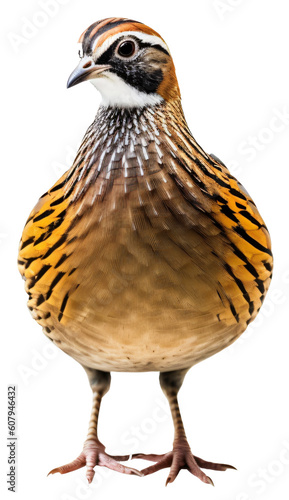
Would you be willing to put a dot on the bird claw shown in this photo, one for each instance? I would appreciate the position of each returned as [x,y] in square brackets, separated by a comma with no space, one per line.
[94,454]
[179,458]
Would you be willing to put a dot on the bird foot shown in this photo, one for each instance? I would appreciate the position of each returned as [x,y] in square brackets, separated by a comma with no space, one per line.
[179,458]
[93,454]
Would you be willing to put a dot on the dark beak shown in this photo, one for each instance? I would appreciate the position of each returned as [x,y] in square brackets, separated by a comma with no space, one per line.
[85,70]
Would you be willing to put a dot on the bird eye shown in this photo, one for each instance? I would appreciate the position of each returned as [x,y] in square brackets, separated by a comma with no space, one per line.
[126,49]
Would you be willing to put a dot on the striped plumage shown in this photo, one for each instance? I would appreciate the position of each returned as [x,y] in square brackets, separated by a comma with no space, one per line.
[147,254]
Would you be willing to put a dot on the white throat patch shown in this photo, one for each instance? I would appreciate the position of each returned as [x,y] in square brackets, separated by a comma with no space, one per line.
[115,92]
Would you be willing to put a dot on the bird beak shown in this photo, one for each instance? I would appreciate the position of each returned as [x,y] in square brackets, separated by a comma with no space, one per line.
[85,70]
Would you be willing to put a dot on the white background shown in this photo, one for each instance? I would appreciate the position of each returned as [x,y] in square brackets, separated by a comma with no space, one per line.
[231,58]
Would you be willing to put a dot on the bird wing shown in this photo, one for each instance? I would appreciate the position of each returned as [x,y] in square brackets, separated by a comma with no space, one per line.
[42,230]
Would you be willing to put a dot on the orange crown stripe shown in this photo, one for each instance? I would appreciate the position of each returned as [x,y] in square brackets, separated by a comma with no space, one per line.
[142,28]
[99,24]
[129,26]
[103,23]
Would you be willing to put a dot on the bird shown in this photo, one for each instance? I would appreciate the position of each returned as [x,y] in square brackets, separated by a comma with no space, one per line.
[147,254]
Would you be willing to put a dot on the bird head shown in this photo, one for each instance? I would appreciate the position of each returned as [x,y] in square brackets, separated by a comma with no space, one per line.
[128,62]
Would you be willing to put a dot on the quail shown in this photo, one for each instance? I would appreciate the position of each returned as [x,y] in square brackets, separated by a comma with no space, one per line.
[147,254]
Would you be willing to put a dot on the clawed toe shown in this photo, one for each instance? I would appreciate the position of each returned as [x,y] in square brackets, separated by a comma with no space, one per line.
[94,454]
[180,458]
[71,466]
[108,461]
[213,466]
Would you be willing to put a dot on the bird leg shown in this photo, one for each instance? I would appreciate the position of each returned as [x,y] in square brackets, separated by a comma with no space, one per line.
[181,456]
[93,452]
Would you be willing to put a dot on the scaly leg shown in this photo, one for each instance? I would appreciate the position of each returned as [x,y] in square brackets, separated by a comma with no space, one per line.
[181,456]
[93,452]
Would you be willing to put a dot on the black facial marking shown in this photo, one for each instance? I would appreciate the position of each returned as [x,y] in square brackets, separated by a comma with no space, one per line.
[135,72]
[106,57]
[143,45]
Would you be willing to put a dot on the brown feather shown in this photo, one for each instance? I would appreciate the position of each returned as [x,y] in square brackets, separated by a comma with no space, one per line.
[141,256]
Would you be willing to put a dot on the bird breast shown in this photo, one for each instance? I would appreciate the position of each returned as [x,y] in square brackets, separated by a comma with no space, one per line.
[129,264]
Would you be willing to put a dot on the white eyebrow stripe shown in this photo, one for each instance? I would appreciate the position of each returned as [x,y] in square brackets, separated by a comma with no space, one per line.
[143,37]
